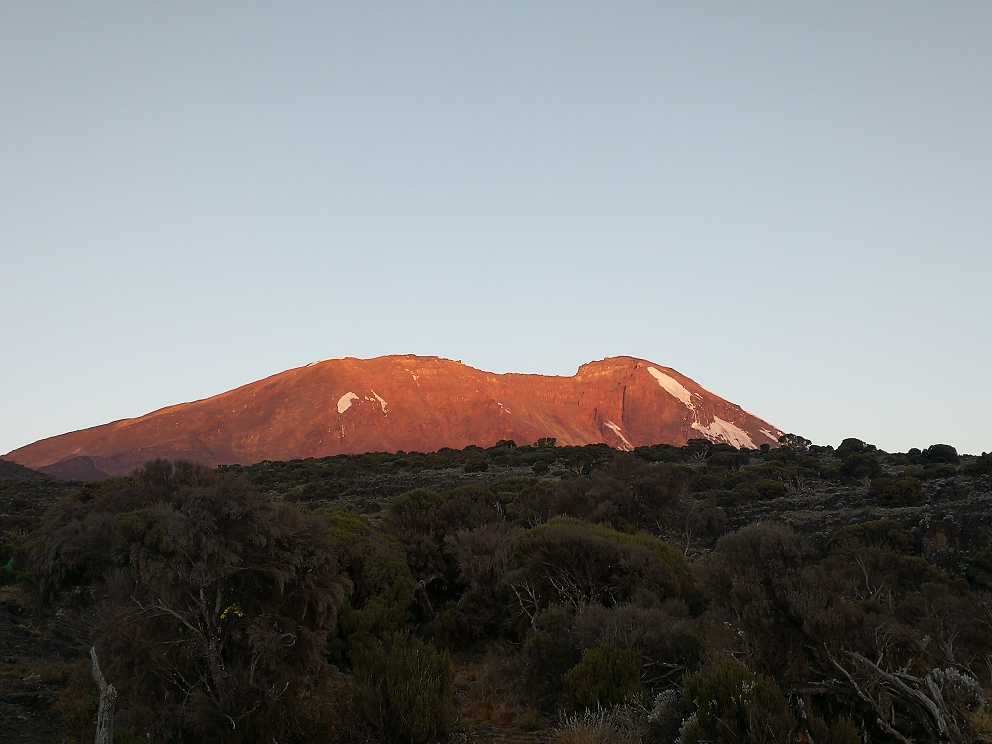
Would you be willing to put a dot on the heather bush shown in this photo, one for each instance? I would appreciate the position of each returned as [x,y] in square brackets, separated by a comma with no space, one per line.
[666,638]
[573,563]
[755,581]
[608,594]
[734,704]
[549,651]
[852,446]
[981,465]
[382,585]
[839,731]
[606,675]
[766,488]
[941,453]
[896,491]
[860,465]
[215,605]
[403,686]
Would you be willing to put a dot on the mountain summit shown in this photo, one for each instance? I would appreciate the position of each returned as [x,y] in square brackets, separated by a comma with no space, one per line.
[412,403]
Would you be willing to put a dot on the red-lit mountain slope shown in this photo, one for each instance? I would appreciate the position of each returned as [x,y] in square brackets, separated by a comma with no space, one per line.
[410,403]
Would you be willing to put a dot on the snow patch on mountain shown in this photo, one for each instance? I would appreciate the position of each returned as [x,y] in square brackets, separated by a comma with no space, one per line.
[619,432]
[718,429]
[673,387]
[382,403]
[345,401]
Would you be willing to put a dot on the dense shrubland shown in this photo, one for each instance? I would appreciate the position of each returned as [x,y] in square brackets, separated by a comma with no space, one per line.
[695,594]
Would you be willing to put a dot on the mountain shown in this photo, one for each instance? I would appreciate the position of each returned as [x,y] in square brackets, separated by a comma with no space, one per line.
[11,471]
[411,403]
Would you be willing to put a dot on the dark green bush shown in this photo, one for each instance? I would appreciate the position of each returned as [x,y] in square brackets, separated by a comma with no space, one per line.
[755,577]
[884,534]
[734,704]
[660,453]
[213,602]
[864,465]
[770,489]
[382,585]
[936,470]
[729,460]
[625,494]
[570,562]
[839,731]
[703,480]
[666,637]
[606,675]
[852,446]
[896,491]
[549,651]
[725,498]
[404,688]
[425,519]
[630,595]
[980,465]
[940,453]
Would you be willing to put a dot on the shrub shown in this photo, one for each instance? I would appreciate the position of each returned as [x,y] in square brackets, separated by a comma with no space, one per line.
[9,573]
[863,465]
[482,553]
[794,442]
[980,465]
[382,585]
[729,460]
[412,513]
[940,453]
[480,609]
[882,534]
[606,675]
[705,481]
[570,562]
[756,576]
[665,637]
[897,491]
[404,688]
[625,494]
[549,652]
[840,731]
[424,519]
[936,470]
[622,724]
[214,604]
[734,704]
[770,489]
[852,446]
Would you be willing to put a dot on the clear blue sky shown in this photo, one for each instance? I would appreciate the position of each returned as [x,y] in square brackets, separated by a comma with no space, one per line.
[789,202]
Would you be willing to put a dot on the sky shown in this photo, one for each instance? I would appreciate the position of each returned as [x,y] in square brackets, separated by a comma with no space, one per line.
[789,202]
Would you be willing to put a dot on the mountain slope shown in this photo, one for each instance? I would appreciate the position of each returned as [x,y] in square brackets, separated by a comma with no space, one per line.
[411,403]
